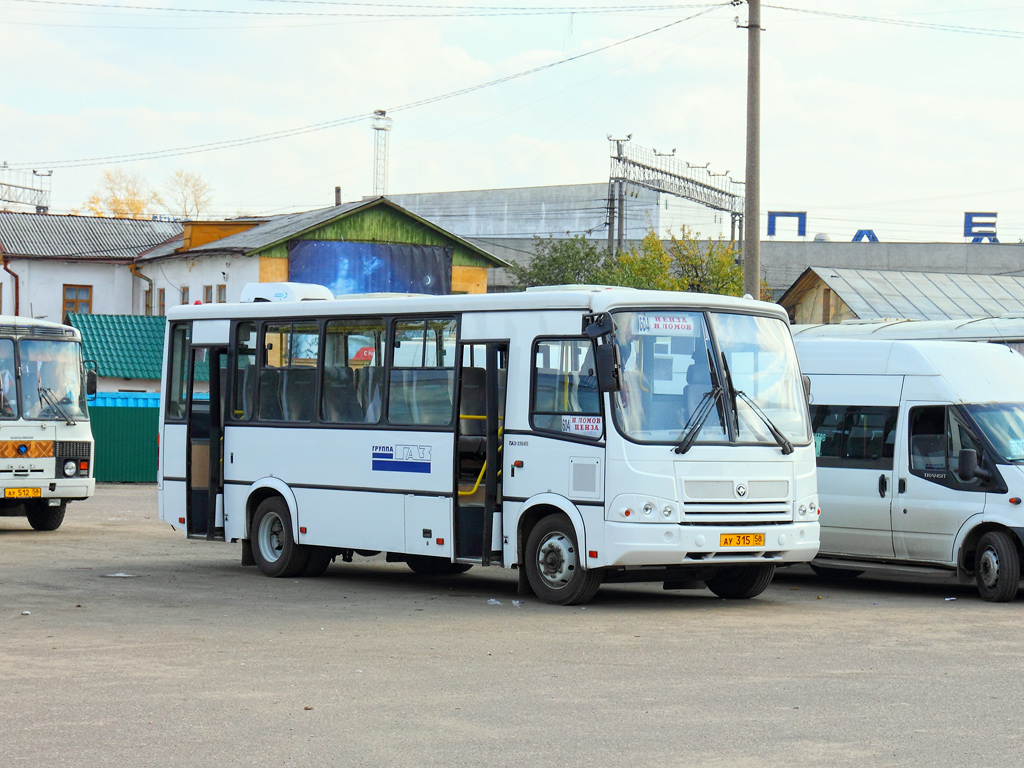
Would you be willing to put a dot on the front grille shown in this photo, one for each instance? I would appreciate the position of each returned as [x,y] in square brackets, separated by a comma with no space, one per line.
[73,450]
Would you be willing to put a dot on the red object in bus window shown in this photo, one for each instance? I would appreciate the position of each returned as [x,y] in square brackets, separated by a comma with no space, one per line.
[363,355]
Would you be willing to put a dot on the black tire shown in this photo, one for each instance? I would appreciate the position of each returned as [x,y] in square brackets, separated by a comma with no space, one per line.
[553,565]
[273,547]
[997,567]
[835,573]
[317,560]
[435,566]
[741,582]
[45,518]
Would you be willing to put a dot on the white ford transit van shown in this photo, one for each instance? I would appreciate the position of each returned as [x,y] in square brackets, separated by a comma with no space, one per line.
[920,453]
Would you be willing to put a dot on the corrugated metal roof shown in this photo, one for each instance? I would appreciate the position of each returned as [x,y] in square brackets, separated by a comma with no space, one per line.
[123,346]
[875,294]
[80,237]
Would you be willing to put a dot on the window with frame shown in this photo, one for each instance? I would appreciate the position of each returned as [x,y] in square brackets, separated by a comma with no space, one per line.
[245,370]
[222,294]
[287,380]
[565,397]
[423,371]
[177,373]
[77,298]
[207,294]
[937,435]
[184,295]
[854,436]
[353,379]
[162,302]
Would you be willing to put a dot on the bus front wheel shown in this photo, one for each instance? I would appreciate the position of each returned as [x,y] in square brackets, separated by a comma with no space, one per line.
[43,517]
[553,565]
[274,549]
[741,582]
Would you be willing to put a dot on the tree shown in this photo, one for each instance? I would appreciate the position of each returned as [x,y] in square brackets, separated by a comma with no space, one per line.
[560,262]
[124,195]
[647,265]
[187,195]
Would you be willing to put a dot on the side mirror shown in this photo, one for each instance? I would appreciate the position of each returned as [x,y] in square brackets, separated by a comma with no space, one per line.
[90,382]
[806,381]
[967,466]
[606,357]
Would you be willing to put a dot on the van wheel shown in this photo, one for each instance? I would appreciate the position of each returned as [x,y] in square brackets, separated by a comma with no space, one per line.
[553,564]
[741,582]
[274,549]
[45,518]
[426,565]
[997,567]
[835,573]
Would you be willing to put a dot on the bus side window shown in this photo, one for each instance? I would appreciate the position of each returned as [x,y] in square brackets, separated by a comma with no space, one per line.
[564,383]
[353,371]
[177,379]
[423,372]
[245,370]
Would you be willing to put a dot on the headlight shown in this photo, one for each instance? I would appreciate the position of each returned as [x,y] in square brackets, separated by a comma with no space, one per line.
[70,468]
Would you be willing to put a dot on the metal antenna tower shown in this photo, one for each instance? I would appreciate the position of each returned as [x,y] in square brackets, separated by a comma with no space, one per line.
[381,127]
[664,172]
[25,188]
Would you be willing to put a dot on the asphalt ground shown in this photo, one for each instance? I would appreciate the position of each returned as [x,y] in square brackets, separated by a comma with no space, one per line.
[191,660]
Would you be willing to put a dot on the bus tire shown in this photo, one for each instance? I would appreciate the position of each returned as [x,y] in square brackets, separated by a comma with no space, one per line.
[741,582]
[553,565]
[275,550]
[426,565]
[45,518]
[317,560]
[835,573]
[997,567]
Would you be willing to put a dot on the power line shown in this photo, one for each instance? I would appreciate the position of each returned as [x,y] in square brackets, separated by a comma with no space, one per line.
[906,23]
[286,133]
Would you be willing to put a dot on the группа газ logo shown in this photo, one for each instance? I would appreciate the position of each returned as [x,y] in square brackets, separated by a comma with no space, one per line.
[401,458]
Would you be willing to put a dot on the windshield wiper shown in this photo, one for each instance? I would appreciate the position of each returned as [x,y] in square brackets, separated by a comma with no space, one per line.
[45,393]
[781,439]
[700,414]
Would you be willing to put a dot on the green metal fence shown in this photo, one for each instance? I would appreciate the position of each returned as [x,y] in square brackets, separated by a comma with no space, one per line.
[125,427]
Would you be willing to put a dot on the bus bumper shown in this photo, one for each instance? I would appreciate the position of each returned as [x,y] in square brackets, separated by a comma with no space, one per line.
[673,544]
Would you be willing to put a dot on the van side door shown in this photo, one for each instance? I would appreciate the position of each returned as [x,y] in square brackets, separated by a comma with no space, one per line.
[933,502]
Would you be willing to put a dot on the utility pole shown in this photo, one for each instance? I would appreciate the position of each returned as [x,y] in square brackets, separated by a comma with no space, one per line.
[752,202]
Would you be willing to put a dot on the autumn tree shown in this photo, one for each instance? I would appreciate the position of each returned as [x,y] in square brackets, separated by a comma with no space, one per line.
[123,194]
[187,194]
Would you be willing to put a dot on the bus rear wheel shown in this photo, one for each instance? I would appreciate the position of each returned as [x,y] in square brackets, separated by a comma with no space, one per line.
[553,565]
[274,549]
[741,582]
[45,518]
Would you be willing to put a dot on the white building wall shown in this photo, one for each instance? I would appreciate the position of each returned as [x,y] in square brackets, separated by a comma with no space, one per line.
[42,287]
[194,273]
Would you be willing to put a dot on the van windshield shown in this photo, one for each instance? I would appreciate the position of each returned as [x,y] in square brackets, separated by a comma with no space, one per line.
[1003,425]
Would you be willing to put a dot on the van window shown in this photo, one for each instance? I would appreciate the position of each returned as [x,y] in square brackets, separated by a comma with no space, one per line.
[854,436]
[937,435]
[565,395]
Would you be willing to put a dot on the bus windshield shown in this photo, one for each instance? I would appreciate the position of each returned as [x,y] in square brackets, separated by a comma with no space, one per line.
[51,380]
[673,382]
[1003,425]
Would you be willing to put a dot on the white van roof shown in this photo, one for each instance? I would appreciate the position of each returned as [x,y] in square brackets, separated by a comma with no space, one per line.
[974,372]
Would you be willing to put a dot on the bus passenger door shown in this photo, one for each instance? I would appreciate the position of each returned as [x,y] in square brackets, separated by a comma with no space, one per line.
[482,384]
[204,508]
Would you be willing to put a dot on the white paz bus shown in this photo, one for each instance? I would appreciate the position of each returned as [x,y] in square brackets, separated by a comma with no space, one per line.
[45,438]
[580,435]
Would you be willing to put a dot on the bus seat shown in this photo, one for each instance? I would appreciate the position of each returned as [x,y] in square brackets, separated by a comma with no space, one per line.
[339,396]
[299,393]
[369,386]
[432,395]
[698,384]
[270,394]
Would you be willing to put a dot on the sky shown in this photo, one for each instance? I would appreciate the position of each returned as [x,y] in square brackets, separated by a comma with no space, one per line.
[895,116]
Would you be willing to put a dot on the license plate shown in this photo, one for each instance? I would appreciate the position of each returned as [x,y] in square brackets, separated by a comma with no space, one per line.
[741,540]
[22,493]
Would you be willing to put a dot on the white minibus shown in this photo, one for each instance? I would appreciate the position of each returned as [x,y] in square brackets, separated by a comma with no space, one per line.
[920,450]
[580,435]
[46,442]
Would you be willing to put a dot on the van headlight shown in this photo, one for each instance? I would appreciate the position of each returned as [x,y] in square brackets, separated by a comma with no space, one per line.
[70,468]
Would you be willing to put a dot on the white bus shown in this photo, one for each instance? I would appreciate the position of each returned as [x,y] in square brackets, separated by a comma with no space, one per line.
[46,443]
[578,435]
